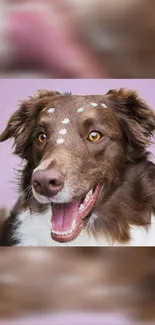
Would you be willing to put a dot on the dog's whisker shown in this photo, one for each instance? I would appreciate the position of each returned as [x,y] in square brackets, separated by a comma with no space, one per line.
[26,192]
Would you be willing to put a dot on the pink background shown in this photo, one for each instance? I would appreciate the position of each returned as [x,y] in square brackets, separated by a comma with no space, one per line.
[13,90]
[76,319]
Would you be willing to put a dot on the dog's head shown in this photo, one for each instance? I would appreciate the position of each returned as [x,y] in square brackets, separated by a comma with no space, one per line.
[77,148]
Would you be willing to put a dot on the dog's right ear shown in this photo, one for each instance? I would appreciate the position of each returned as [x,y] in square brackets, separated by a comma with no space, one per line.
[136,118]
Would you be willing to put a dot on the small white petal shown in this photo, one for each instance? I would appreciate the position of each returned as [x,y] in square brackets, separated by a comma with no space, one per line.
[94,104]
[104,105]
[80,110]
[63,131]
[51,110]
[65,121]
[60,141]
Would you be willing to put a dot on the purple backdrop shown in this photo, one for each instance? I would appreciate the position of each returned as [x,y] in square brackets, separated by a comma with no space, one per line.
[13,90]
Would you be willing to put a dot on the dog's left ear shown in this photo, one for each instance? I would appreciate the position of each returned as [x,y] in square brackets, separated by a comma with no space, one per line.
[21,123]
[137,120]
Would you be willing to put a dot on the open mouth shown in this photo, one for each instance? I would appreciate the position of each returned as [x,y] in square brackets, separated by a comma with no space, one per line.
[68,218]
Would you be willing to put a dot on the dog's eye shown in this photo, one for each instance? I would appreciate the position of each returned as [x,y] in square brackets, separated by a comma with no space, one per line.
[42,138]
[94,136]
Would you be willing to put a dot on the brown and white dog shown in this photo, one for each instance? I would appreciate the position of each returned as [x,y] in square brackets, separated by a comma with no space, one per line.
[87,179]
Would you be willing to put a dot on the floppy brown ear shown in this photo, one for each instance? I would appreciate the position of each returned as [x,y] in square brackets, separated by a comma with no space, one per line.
[22,121]
[12,126]
[26,109]
[136,118]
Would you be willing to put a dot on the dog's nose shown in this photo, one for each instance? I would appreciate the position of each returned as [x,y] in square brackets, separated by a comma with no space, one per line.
[47,182]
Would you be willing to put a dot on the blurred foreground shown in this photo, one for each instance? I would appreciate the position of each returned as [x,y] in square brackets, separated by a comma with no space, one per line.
[77,38]
[36,281]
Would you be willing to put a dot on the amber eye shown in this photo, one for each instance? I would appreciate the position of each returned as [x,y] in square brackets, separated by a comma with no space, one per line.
[42,138]
[94,136]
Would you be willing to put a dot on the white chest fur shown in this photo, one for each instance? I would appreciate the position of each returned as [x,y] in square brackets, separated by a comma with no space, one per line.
[35,230]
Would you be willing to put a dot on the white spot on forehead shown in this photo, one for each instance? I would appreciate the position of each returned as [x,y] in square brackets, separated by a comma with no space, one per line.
[104,105]
[65,121]
[94,104]
[51,110]
[63,131]
[60,141]
[80,110]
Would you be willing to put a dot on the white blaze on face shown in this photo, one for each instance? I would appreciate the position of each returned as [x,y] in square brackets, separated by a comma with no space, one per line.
[43,165]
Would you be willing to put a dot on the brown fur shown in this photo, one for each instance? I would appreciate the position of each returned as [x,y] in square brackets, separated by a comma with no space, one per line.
[119,161]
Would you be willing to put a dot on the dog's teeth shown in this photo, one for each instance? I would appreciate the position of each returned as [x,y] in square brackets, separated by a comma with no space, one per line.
[87,197]
[73,225]
[68,232]
[90,192]
[81,207]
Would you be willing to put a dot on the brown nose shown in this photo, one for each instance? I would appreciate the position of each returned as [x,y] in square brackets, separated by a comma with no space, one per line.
[47,182]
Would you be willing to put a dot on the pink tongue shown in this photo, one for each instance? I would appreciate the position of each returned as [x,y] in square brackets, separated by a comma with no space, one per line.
[63,215]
